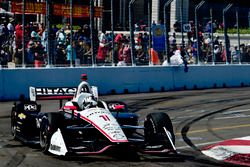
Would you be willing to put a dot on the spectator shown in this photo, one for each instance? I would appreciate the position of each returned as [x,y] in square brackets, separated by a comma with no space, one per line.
[39,54]
[60,54]
[30,52]
[235,55]
[54,31]
[126,55]
[88,54]
[172,40]
[17,55]
[61,37]
[141,57]
[71,53]
[176,59]
[2,34]
[86,31]
[177,26]
[102,51]
[10,27]
[4,56]
[103,36]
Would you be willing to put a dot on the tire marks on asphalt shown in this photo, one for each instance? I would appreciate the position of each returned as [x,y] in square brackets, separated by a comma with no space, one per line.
[185,129]
[16,160]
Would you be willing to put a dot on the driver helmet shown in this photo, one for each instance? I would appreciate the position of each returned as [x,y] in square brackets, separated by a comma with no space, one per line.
[84,77]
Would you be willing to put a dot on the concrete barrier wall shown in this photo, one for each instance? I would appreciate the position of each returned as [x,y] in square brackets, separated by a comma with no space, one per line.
[112,80]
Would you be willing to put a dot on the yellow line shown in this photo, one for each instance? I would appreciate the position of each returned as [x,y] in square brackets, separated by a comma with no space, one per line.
[216,129]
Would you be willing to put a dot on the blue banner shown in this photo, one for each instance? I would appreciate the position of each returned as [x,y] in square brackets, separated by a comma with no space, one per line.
[158,38]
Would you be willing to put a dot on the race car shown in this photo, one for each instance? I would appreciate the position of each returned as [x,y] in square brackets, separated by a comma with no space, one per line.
[87,125]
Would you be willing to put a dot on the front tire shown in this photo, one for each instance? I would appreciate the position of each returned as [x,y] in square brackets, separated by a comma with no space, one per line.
[50,123]
[154,129]
[13,123]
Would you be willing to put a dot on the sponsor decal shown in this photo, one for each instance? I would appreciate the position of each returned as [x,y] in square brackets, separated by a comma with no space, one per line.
[55,91]
[105,117]
[78,148]
[30,107]
[55,147]
[21,116]
[118,136]
[70,91]
[104,121]
[154,147]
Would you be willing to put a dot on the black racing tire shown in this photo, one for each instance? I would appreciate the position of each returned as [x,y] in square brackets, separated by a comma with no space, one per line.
[49,124]
[13,123]
[154,129]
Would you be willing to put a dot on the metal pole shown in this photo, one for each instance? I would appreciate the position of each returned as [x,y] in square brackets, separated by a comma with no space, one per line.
[248,18]
[112,29]
[23,33]
[124,15]
[197,31]
[149,29]
[120,12]
[238,32]
[48,30]
[71,34]
[225,30]
[92,31]
[181,14]
[131,25]
[166,5]
[212,35]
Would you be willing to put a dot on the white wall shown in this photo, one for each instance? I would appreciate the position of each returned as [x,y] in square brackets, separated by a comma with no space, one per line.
[13,82]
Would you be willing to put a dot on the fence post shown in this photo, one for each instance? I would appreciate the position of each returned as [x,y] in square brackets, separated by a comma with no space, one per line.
[197,31]
[182,35]
[212,35]
[112,29]
[92,31]
[149,29]
[238,32]
[23,33]
[48,27]
[225,30]
[166,5]
[131,27]
[71,34]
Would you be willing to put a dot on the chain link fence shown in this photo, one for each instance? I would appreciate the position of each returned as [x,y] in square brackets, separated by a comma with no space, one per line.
[207,33]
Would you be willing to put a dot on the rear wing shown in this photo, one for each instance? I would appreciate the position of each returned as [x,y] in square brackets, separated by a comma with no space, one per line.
[51,93]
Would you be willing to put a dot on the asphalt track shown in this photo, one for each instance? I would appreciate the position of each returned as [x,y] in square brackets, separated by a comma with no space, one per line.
[200,118]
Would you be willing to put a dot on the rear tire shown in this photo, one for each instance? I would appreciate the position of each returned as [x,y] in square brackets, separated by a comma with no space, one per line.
[13,123]
[50,123]
[154,129]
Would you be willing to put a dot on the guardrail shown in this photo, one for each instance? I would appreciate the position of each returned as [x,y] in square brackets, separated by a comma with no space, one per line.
[118,80]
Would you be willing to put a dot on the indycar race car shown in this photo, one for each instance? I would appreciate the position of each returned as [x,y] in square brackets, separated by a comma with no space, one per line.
[87,125]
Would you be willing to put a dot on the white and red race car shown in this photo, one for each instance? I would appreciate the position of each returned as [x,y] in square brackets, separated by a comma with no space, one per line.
[87,125]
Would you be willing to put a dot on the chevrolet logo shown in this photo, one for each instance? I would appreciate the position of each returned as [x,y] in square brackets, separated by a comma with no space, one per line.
[21,116]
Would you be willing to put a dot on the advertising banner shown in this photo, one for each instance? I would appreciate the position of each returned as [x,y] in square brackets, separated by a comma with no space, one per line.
[58,9]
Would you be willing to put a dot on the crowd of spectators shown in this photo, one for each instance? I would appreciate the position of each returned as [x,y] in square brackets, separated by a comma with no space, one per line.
[78,51]
[210,50]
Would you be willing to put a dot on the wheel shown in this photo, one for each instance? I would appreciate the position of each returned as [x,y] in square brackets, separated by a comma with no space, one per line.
[13,123]
[50,123]
[154,129]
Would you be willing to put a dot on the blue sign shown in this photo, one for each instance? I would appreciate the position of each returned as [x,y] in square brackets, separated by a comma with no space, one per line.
[158,38]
